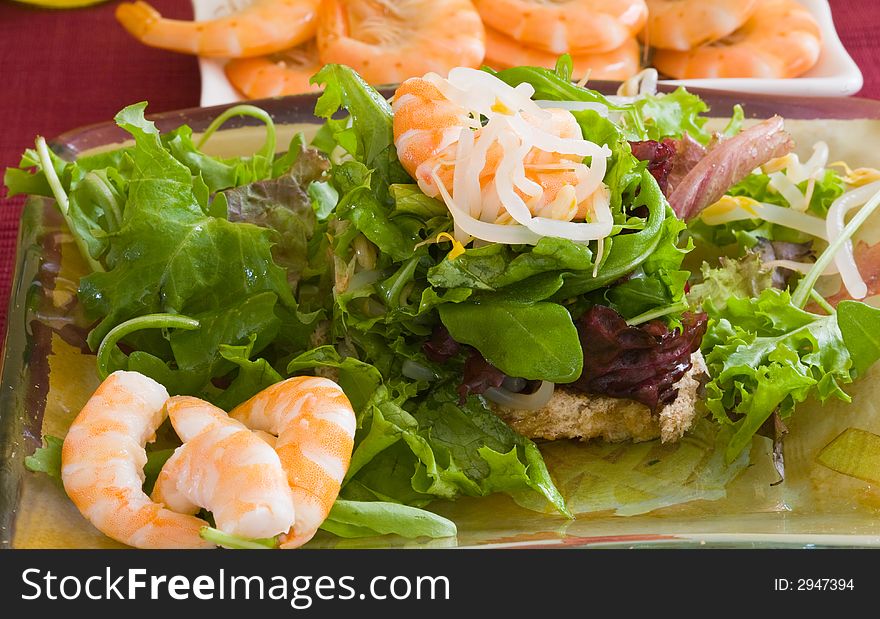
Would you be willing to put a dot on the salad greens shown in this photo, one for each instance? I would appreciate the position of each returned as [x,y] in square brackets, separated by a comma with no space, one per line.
[221,276]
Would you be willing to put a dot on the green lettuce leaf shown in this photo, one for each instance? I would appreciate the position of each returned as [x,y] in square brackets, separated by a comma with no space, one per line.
[367,132]
[46,459]
[186,261]
[765,355]
[744,278]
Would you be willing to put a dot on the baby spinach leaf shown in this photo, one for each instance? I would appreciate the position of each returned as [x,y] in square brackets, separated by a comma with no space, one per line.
[534,341]
[367,518]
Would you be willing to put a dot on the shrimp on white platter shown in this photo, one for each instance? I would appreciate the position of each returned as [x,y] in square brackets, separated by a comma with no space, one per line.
[515,179]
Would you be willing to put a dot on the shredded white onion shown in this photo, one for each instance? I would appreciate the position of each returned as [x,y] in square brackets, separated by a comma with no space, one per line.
[810,224]
[467,226]
[785,186]
[510,206]
[642,83]
[845,259]
[800,267]
[574,106]
[529,402]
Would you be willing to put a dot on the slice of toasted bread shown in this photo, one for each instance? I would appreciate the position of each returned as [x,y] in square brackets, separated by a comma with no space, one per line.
[573,414]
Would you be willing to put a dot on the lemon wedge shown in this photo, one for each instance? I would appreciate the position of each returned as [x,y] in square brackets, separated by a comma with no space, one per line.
[61,4]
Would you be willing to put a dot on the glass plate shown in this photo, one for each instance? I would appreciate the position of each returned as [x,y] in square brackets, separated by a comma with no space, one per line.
[46,378]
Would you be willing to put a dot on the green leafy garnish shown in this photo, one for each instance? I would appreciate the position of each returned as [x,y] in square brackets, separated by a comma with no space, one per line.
[233,542]
[766,355]
[369,518]
[46,459]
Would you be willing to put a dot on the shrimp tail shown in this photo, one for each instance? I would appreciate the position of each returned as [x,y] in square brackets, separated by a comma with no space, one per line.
[137,17]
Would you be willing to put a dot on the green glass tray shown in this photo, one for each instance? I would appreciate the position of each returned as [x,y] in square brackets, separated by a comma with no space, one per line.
[47,375]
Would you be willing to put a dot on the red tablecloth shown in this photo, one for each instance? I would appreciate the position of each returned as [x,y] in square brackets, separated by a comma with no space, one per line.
[63,69]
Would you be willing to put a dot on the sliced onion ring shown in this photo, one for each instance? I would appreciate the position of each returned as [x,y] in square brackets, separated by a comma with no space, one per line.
[528,402]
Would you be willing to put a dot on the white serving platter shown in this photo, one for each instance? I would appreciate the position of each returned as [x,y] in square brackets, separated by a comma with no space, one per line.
[835,75]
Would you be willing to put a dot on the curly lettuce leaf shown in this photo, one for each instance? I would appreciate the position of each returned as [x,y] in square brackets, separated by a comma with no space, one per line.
[671,115]
[765,355]
[744,278]
[367,132]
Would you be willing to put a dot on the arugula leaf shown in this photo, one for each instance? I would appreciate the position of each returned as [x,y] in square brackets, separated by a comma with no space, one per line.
[550,85]
[535,341]
[234,542]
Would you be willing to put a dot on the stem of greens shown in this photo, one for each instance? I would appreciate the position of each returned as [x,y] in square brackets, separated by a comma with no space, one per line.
[821,302]
[268,149]
[150,321]
[62,200]
[802,293]
[100,185]
[679,306]
[237,543]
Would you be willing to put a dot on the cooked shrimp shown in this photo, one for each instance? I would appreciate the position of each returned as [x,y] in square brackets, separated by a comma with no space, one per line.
[686,24]
[566,26]
[264,27]
[387,41]
[525,164]
[315,426]
[102,466]
[780,40]
[502,52]
[285,73]
[225,468]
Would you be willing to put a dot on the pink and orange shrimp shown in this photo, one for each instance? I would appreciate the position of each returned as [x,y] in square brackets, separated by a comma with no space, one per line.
[566,26]
[387,41]
[225,468]
[264,27]
[315,426]
[427,129]
[102,464]
[780,40]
